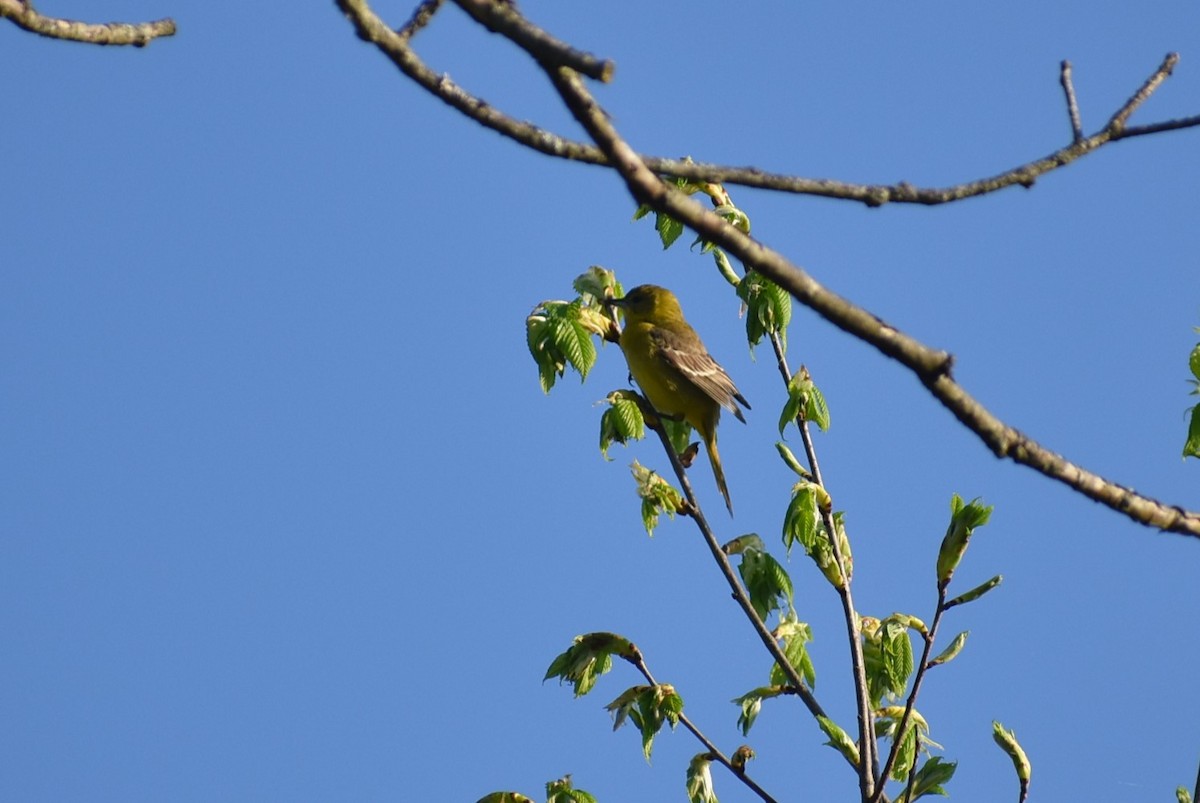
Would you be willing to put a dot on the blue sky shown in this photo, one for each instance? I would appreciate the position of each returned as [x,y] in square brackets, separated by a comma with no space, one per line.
[285,515]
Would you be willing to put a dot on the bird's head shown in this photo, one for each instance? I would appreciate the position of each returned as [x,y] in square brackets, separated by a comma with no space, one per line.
[649,302]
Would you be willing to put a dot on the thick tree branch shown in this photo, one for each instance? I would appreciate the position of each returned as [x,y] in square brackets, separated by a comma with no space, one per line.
[138,34]
[502,18]
[931,367]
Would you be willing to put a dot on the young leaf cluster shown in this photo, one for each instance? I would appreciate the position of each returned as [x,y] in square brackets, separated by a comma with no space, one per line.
[589,657]
[648,707]
[658,496]
[805,403]
[559,333]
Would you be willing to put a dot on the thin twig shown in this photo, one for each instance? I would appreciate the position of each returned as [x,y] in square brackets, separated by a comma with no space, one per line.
[503,19]
[1145,91]
[713,750]
[1064,78]
[867,745]
[421,16]
[731,578]
[138,34]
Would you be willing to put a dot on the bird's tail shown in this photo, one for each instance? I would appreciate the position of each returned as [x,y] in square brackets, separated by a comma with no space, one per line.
[714,457]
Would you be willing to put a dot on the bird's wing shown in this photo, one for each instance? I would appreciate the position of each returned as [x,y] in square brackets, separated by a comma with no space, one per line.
[699,368]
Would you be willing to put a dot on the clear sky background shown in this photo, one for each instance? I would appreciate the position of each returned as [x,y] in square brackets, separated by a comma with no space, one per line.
[286,516]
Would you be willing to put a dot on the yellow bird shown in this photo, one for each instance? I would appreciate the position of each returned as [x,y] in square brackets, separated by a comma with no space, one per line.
[675,372]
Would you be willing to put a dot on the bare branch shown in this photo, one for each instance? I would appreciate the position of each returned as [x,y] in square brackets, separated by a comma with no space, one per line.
[421,17]
[500,17]
[1072,104]
[138,34]
[372,29]
[1145,91]
[931,367]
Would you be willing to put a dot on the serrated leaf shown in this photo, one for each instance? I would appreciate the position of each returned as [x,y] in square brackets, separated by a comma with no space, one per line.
[949,654]
[621,422]
[575,342]
[768,307]
[817,410]
[897,653]
[801,522]
[648,708]
[669,229]
[795,636]
[766,581]
[589,657]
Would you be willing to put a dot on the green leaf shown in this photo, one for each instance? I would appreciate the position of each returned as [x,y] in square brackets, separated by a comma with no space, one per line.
[976,592]
[839,740]
[795,636]
[726,269]
[1182,795]
[767,582]
[669,229]
[648,708]
[801,523]
[1192,447]
[699,780]
[657,495]
[589,657]
[964,518]
[742,543]
[817,410]
[751,704]
[790,460]
[768,308]
[949,654]
[575,342]
[1008,743]
[897,653]
[505,797]
[562,791]
[1194,362]
[597,284]
[621,422]
[805,402]
[932,775]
